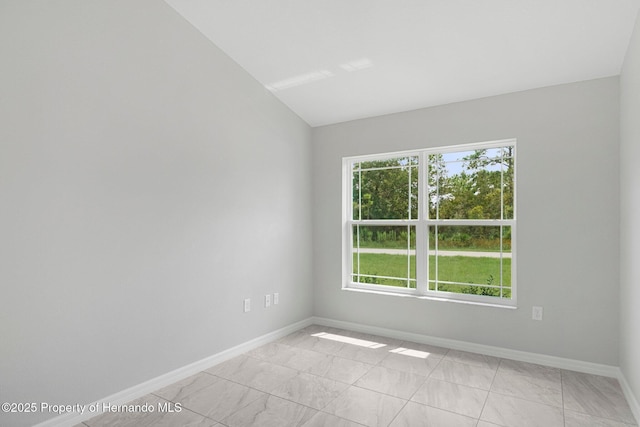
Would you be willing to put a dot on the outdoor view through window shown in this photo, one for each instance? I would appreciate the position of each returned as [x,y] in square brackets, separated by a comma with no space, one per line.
[437,222]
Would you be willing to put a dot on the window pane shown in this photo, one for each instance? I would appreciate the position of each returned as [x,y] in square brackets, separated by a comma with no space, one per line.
[414,179]
[384,255]
[506,262]
[386,189]
[437,172]
[471,184]
[357,200]
[507,187]
[468,259]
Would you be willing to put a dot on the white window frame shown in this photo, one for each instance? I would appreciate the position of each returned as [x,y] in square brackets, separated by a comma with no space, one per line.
[421,227]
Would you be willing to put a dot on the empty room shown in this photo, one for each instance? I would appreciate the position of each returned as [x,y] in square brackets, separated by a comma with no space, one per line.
[319,213]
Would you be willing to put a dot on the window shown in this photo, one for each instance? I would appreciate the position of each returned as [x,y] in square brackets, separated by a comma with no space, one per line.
[435,223]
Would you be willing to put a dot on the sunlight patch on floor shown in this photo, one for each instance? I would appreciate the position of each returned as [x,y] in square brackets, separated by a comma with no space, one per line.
[409,352]
[349,340]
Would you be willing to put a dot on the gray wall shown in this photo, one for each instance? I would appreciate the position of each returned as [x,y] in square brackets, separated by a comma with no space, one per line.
[630,213]
[147,185]
[567,207]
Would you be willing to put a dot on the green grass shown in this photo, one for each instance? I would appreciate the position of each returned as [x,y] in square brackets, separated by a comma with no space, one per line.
[478,271]
[386,265]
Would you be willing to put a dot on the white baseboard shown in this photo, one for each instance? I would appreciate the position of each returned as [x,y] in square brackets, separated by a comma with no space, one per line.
[137,391]
[631,397]
[523,356]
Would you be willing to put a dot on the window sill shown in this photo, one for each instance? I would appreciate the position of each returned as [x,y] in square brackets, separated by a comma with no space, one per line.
[429,297]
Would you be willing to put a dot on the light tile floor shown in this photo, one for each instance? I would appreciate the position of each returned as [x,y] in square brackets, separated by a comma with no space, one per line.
[322,376]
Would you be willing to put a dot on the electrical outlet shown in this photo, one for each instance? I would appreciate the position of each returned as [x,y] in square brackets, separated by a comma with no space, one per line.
[267,301]
[536,313]
[247,305]
[276,298]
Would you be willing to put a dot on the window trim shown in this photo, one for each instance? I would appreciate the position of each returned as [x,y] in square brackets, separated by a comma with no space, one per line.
[421,226]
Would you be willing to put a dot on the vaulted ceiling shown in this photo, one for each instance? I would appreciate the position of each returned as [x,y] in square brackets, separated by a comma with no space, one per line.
[337,60]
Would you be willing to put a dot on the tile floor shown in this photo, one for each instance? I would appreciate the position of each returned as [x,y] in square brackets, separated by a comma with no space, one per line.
[322,376]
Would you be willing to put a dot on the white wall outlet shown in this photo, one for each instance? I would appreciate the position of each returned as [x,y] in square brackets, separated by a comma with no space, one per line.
[536,313]
[276,298]
[267,301]
[247,305]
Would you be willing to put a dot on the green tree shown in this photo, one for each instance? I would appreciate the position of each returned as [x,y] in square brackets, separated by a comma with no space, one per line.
[493,181]
[386,189]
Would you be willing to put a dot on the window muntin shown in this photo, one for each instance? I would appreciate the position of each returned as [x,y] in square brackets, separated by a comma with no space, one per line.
[433,222]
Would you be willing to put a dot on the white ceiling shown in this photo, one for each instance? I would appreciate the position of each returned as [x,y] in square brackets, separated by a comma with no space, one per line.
[336,60]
